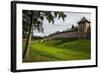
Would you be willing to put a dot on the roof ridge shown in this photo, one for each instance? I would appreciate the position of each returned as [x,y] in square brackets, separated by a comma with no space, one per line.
[83,20]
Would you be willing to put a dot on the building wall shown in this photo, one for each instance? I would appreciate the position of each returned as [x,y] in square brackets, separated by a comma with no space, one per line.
[82,32]
[83,27]
[70,35]
[87,25]
[80,27]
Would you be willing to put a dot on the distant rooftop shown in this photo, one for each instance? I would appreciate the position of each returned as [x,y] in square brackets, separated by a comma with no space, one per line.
[83,20]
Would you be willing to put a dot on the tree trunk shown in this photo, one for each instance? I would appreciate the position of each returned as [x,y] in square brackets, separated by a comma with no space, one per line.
[27,46]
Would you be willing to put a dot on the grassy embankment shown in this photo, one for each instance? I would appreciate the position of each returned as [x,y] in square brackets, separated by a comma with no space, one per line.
[59,50]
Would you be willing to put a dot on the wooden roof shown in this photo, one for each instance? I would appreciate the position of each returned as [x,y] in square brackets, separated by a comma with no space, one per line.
[83,20]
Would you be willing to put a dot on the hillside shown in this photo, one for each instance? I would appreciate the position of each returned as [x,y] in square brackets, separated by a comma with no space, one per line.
[59,50]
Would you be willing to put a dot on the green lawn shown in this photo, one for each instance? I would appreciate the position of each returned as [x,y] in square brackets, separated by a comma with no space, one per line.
[59,50]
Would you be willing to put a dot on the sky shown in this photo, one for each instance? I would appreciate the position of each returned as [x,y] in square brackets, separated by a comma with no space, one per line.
[59,25]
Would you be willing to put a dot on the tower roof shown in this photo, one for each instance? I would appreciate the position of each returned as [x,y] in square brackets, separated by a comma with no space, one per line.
[83,20]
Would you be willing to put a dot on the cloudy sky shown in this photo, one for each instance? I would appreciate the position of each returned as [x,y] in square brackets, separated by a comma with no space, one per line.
[60,25]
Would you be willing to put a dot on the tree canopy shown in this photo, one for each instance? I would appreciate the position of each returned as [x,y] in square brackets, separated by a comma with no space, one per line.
[37,19]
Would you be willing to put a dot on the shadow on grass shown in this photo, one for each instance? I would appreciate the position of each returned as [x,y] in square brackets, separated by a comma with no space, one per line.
[40,56]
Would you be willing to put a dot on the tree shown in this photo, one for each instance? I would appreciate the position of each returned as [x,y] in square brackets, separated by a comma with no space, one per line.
[73,27]
[33,20]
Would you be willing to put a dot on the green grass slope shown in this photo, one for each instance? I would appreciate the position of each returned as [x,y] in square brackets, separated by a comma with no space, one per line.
[59,50]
